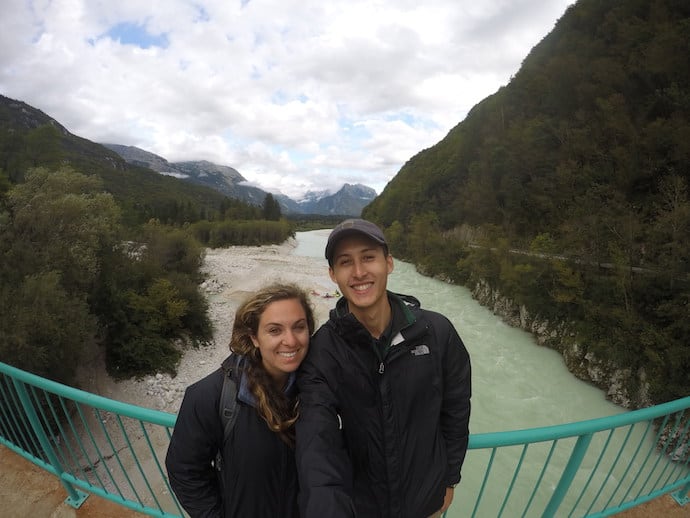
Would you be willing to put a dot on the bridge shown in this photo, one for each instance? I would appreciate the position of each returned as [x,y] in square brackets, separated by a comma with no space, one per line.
[594,468]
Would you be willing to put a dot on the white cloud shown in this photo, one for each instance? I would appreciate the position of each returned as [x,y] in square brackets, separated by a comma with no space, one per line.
[296,96]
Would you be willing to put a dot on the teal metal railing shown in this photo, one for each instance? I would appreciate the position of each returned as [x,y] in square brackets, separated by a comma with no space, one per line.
[91,443]
[591,468]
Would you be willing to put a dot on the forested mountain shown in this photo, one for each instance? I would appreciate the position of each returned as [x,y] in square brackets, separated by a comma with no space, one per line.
[582,161]
[223,179]
[30,138]
[349,200]
[98,254]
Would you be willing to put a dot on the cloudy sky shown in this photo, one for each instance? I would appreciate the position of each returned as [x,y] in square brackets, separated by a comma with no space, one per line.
[295,95]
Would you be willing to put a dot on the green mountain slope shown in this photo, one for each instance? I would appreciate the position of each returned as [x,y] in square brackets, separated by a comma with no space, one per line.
[584,158]
[602,100]
[30,138]
[99,256]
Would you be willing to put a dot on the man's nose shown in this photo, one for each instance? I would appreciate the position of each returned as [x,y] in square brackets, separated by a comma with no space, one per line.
[358,269]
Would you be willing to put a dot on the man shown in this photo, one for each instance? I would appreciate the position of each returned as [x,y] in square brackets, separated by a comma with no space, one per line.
[384,395]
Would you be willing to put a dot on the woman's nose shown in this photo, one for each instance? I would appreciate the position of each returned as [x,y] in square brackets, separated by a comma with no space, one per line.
[290,338]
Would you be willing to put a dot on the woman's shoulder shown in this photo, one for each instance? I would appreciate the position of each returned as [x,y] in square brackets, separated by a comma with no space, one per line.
[198,417]
[207,388]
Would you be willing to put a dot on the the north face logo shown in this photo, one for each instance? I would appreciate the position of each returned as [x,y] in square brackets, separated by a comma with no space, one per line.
[420,350]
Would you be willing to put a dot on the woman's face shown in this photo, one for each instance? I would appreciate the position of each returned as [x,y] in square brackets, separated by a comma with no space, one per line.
[282,337]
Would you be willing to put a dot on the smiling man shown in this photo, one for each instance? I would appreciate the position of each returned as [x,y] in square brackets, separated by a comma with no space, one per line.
[384,394]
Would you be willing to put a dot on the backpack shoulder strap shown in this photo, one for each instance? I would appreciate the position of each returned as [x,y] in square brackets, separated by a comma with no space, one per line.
[228,407]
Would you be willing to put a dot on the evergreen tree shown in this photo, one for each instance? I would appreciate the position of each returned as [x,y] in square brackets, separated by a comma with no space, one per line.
[271,208]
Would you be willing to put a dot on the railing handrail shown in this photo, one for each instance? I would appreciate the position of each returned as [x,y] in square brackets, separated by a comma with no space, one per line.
[81,396]
[577,428]
[476,441]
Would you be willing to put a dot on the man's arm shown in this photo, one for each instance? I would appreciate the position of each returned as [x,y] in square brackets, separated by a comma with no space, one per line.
[455,409]
[324,468]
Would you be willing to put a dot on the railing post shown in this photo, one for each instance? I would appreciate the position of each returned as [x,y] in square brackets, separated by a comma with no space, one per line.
[74,497]
[568,475]
[681,496]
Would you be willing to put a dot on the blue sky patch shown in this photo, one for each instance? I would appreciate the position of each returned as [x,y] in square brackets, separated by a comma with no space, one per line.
[136,34]
[354,131]
[202,14]
[412,120]
[281,98]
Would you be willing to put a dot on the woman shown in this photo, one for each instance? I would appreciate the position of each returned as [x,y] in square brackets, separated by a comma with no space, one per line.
[255,473]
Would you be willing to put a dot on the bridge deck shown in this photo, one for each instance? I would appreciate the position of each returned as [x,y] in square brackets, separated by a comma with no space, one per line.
[28,491]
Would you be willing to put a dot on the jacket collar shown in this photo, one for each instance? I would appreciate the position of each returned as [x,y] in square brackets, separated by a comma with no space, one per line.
[345,322]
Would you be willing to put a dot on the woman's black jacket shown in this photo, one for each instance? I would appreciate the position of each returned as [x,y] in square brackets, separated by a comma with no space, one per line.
[258,475]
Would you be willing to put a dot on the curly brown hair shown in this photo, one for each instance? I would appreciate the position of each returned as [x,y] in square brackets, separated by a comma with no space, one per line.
[278,410]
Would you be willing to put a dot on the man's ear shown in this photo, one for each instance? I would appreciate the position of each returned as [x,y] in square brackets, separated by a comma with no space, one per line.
[331,274]
[389,261]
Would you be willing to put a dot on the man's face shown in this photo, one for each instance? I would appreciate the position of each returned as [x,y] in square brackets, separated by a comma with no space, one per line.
[360,269]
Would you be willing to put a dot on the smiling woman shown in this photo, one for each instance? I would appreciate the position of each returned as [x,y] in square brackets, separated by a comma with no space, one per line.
[251,471]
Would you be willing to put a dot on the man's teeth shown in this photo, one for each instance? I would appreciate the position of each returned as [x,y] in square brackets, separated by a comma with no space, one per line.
[362,287]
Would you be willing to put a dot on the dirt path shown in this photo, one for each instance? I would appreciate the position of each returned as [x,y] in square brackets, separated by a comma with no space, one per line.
[28,491]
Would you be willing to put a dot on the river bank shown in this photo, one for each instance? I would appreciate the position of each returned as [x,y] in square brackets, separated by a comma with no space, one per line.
[232,274]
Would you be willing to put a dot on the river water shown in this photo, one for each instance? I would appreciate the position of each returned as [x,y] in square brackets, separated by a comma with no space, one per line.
[516,383]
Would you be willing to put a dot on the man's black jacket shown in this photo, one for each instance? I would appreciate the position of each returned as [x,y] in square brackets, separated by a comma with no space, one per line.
[382,437]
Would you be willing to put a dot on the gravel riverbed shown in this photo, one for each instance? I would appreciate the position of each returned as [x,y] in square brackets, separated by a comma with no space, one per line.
[232,274]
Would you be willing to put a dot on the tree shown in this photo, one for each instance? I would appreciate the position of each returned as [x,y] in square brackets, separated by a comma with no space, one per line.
[422,228]
[395,235]
[60,221]
[672,227]
[43,146]
[52,237]
[271,208]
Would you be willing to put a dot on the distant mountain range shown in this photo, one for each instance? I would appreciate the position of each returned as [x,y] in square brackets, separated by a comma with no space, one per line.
[348,201]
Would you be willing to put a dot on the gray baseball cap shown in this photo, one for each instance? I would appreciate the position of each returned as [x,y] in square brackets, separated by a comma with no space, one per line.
[350,227]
